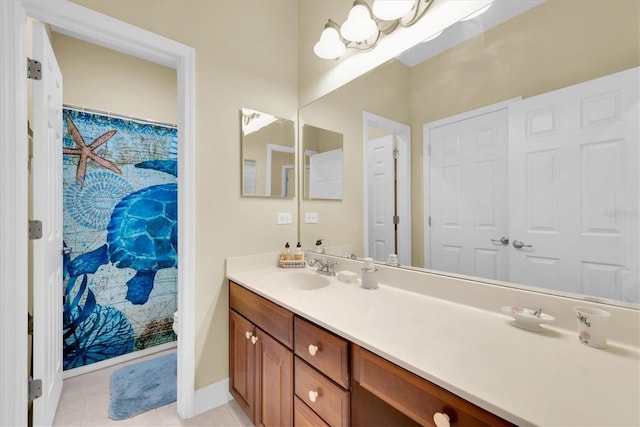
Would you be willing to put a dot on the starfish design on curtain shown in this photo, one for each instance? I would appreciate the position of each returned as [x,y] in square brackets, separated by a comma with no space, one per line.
[86,152]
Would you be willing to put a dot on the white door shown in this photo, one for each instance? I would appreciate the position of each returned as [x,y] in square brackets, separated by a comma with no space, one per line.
[574,188]
[47,251]
[468,196]
[325,175]
[381,197]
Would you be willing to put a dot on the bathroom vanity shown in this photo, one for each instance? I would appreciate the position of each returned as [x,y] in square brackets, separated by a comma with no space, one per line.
[306,349]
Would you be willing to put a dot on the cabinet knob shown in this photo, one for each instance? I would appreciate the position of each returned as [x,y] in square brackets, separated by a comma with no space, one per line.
[313,395]
[441,419]
[248,334]
[313,349]
[254,340]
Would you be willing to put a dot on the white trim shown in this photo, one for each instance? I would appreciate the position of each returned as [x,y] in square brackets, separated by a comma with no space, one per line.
[13,221]
[212,396]
[403,133]
[426,165]
[84,24]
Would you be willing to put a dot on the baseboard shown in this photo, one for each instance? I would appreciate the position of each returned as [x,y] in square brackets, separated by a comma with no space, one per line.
[211,396]
[70,373]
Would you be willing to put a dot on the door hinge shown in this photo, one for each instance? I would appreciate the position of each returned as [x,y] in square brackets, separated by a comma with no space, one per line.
[34,69]
[429,149]
[35,388]
[429,221]
[396,154]
[396,219]
[35,229]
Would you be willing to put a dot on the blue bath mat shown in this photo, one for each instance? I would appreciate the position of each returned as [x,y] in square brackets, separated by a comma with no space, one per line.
[143,386]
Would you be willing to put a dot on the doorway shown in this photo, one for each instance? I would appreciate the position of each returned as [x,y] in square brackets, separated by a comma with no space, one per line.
[397,191]
[79,22]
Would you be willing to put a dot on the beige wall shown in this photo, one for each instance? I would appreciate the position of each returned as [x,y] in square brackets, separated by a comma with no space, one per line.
[242,60]
[556,44]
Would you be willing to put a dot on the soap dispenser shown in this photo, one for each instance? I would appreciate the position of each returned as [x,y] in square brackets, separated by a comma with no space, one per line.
[286,254]
[369,275]
[319,249]
[298,255]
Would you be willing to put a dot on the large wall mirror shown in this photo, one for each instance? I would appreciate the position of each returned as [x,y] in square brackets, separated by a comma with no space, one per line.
[268,155]
[506,150]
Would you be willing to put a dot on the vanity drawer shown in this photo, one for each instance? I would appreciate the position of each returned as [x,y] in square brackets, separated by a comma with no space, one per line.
[323,350]
[303,416]
[416,397]
[331,401]
[271,318]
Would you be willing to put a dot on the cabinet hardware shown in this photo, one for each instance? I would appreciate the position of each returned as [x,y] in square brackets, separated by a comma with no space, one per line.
[313,349]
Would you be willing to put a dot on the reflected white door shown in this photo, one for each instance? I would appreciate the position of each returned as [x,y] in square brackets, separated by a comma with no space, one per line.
[381,198]
[47,251]
[468,196]
[574,188]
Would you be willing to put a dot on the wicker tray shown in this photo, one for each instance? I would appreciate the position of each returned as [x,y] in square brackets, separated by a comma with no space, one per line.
[292,263]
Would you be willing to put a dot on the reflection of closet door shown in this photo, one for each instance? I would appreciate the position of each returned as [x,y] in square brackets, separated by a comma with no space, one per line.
[574,188]
[381,198]
[468,193]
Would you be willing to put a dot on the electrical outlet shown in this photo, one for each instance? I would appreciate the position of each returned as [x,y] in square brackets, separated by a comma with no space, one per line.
[284,218]
[311,217]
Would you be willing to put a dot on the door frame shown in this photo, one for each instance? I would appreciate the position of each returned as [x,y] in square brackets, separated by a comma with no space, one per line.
[85,24]
[426,167]
[404,181]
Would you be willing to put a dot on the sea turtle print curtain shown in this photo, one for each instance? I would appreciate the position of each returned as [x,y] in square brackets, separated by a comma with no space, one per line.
[120,231]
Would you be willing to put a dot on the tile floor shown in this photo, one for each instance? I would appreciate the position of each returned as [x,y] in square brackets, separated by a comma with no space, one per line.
[85,403]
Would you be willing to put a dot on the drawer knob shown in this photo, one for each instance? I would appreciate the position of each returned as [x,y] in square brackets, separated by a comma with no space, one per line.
[313,349]
[248,334]
[254,340]
[313,395]
[441,419]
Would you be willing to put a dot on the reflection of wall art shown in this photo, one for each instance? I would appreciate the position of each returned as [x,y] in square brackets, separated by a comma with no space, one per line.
[120,224]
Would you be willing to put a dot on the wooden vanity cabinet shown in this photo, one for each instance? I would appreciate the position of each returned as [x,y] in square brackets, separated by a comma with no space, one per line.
[260,358]
[408,395]
[329,381]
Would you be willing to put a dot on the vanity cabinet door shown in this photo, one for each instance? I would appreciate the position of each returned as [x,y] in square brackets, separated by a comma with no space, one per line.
[242,363]
[271,318]
[275,383]
[415,397]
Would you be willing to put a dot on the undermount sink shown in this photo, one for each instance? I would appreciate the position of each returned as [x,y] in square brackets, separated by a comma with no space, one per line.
[305,281]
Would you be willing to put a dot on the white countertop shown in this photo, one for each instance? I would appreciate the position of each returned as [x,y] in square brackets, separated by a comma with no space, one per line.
[528,378]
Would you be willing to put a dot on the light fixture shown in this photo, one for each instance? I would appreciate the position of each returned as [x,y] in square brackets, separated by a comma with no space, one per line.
[365,25]
[330,45]
[388,10]
[359,25]
[477,13]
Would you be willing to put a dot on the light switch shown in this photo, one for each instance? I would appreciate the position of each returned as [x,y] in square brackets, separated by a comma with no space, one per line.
[311,217]
[284,218]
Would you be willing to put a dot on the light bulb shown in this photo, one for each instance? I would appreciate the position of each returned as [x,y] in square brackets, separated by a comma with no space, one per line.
[359,26]
[388,10]
[329,46]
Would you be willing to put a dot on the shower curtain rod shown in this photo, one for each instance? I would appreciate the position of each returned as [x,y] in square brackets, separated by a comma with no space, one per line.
[117,116]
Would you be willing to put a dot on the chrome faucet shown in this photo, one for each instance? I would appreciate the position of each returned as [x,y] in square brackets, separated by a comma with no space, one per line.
[323,267]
